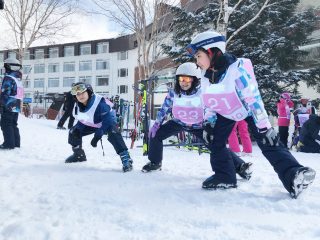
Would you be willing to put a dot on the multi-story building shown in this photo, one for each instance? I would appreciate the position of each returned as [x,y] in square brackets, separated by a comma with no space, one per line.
[107,64]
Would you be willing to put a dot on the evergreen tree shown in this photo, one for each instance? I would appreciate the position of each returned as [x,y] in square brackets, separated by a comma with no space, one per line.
[271,42]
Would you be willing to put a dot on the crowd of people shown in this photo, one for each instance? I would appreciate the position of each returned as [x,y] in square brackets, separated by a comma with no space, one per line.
[306,134]
[213,98]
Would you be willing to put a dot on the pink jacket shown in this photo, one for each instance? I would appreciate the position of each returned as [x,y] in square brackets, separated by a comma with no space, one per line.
[283,109]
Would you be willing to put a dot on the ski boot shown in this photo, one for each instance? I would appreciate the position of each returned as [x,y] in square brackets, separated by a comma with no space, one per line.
[245,170]
[213,183]
[126,161]
[77,156]
[151,167]
[302,179]
[61,128]
[2,147]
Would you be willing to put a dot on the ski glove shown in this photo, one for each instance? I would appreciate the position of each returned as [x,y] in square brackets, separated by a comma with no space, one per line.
[154,129]
[208,132]
[270,137]
[97,136]
[94,141]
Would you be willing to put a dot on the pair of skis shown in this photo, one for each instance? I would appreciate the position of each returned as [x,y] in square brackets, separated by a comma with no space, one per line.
[141,118]
[142,114]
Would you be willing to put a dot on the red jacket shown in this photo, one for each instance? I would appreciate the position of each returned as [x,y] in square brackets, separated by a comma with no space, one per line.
[283,109]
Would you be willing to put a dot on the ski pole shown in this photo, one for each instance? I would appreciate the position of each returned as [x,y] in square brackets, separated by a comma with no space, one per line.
[102,147]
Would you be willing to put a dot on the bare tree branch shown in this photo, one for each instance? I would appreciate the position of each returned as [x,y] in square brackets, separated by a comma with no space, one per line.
[144,18]
[264,6]
[31,20]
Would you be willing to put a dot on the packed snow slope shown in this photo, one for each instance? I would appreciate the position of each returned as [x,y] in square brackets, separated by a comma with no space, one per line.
[42,198]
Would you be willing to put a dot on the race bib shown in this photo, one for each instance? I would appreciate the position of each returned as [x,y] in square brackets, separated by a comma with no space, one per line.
[20,93]
[226,104]
[303,118]
[188,115]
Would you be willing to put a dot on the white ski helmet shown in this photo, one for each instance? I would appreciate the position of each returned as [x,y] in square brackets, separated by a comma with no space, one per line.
[189,69]
[206,40]
[12,64]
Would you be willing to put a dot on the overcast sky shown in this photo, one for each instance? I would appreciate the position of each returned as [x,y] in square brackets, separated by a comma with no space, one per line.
[85,27]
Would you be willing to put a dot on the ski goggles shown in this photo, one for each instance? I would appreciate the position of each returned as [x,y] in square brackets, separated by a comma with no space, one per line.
[186,79]
[193,48]
[79,88]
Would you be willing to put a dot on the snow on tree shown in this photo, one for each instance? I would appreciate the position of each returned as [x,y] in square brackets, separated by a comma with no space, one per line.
[267,32]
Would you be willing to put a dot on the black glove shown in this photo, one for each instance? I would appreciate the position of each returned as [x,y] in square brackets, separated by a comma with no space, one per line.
[94,141]
[97,136]
[208,132]
[270,137]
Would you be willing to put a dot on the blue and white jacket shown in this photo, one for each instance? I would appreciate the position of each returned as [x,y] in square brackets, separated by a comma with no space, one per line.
[97,114]
[12,92]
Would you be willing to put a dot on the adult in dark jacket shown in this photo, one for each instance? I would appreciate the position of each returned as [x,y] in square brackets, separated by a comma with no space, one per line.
[95,116]
[10,102]
[309,139]
[67,107]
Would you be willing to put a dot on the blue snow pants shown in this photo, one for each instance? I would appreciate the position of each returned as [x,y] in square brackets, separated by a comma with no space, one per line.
[10,130]
[171,128]
[282,161]
[114,137]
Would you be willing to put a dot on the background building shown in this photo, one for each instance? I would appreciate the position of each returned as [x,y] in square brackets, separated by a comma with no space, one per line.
[107,64]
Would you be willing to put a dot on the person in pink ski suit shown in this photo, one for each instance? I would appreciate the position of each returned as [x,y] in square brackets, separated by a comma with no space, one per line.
[242,128]
[284,107]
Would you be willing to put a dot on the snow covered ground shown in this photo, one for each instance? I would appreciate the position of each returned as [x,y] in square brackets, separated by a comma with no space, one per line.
[42,198]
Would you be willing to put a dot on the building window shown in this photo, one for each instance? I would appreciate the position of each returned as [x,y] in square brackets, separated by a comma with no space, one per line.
[12,55]
[102,64]
[68,51]
[68,81]
[69,66]
[85,65]
[53,67]
[39,54]
[38,82]
[26,69]
[26,55]
[27,83]
[122,89]
[53,82]
[85,79]
[122,72]
[53,52]
[102,47]
[102,80]
[85,49]
[123,55]
[39,68]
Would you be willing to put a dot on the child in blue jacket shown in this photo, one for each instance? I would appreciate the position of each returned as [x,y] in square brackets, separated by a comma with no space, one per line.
[95,115]
[10,104]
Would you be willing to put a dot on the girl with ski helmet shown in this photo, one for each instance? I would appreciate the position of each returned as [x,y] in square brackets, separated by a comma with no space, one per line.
[231,92]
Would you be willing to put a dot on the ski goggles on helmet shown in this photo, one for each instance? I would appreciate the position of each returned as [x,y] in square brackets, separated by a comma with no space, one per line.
[78,88]
[186,79]
[193,48]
